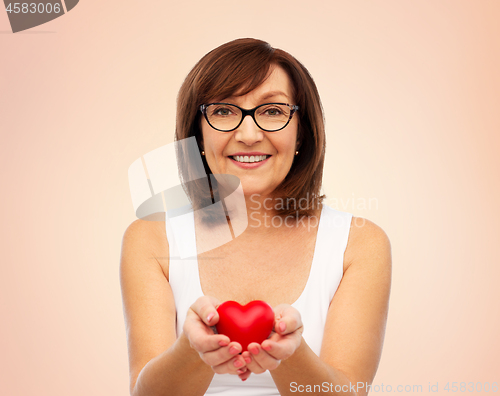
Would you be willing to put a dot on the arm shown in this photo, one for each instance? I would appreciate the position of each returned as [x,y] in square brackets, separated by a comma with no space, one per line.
[354,329]
[160,363]
[172,373]
[157,360]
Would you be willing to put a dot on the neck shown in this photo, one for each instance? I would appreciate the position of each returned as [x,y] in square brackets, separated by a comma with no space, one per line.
[262,213]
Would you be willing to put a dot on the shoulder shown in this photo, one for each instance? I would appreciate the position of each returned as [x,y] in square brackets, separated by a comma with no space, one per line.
[146,238]
[367,242]
[145,231]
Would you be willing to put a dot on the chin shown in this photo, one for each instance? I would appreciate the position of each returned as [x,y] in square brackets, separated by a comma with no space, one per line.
[256,186]
[248,192]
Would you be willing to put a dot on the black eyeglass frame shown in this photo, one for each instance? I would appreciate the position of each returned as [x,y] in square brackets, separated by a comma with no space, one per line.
[251,112]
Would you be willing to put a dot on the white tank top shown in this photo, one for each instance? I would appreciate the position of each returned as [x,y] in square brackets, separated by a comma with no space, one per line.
[324,277]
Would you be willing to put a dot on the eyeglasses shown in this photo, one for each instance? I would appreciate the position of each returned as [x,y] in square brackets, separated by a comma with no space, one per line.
[269,117]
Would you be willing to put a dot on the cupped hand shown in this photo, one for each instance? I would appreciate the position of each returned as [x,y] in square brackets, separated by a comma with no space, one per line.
[283,342]
[215,350]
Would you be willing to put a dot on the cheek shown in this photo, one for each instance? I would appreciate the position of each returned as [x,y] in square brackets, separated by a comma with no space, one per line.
[209,140]
[289,142]
[214,144]
[288,146]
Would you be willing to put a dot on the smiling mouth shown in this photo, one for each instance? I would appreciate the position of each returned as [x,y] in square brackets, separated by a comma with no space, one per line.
[249,159]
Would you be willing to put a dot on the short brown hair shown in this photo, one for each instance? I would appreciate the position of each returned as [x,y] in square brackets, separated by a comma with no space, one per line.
[240,66]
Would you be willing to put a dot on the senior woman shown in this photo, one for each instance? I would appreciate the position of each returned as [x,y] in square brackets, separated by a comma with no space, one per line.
[256,114]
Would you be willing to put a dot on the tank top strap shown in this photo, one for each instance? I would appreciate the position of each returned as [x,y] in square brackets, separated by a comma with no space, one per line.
[183,263]
[331,243]
[325,274]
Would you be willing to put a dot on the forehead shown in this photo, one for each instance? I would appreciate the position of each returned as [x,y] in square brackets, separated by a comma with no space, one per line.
[276,85]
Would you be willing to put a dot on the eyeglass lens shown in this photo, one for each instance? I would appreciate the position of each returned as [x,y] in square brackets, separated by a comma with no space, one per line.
[271,117]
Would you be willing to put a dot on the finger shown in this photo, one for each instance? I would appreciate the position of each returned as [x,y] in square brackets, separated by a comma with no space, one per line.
[231,366]
[262,358]
[279,350]
[222,354]
[204,343]
[245,375]
[252,364]
[287,319]
[206,308]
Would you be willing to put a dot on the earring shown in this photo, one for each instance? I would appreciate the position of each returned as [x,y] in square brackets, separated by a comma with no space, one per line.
[296,153]
[203,152]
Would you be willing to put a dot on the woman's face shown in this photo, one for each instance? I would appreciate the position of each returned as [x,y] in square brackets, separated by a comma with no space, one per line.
[248,139]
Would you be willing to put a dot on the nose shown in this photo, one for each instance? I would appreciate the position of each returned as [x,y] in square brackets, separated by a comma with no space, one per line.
[248,132]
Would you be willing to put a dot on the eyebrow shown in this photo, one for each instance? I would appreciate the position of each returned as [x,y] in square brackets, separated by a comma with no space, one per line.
[272,94]
[265,96]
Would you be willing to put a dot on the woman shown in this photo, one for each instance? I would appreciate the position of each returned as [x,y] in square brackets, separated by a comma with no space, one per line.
[325,273]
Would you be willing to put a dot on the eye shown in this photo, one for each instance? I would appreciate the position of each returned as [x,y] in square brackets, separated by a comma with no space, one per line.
[222,111]
[272,111]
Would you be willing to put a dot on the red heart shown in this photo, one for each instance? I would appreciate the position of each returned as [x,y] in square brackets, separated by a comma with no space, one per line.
[245,324]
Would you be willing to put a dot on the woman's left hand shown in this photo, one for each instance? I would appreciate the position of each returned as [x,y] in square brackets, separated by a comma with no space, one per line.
[283,342]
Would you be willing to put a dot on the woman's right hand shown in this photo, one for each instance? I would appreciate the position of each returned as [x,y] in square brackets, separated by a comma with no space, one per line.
[216,350]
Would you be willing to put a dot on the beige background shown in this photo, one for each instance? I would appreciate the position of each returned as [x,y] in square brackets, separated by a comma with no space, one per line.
[411,92]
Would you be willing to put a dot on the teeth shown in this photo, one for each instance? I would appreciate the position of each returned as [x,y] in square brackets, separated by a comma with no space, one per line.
[252,158]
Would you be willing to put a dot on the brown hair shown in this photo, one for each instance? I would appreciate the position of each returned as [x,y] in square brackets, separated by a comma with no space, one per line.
[240,66]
